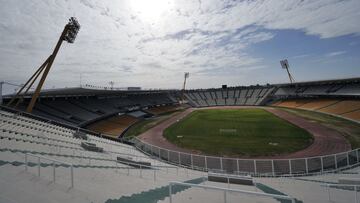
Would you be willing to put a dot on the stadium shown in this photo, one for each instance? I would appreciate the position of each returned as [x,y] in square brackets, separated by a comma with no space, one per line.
[277,142]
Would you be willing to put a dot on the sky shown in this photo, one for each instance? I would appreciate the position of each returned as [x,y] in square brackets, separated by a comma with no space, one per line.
[151,43]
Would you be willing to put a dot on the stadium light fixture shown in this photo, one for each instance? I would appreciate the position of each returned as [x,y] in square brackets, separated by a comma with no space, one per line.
[72,29]
[285,65]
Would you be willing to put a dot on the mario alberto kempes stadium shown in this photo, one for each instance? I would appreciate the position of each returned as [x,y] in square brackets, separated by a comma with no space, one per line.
[296,142]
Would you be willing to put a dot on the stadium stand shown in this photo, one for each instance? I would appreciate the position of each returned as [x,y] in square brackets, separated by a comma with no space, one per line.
[252,95]
[335,97]
[354,115]
[319,103]
[138,114]
[79,106]
[95,174]
[344,87]
[46,146]
[344,108]
[158,110]
[291,103]
[113,126]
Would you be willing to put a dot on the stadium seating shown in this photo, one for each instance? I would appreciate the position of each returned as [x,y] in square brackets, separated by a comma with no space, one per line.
[68,108]
[336,97]
[95,174]
[138,114]
[319,104]
[350,89]
[323,88]
[342,107]
[81,111]
[158,110]
[354,115]
[291,103]
[229,97]
[99,177]
[345,108]
[113,126]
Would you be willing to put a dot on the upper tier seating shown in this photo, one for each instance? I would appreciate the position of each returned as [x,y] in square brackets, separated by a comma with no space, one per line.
[80,111]
[228,97]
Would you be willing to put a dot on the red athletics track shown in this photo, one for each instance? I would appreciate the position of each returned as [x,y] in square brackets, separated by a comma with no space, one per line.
[326,140]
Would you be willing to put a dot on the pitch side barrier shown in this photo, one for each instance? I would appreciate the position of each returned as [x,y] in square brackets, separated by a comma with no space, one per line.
[256,167]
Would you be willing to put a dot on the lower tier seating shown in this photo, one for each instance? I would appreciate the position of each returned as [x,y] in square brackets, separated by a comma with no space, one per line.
[162,109]
[113,126]
[346,108]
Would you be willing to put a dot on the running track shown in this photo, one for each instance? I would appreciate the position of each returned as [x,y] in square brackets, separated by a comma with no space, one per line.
[326,140]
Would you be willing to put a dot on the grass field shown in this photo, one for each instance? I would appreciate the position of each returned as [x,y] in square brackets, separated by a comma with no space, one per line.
[231,132]
[145,125]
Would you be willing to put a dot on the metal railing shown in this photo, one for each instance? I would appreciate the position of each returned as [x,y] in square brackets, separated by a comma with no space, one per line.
[141,167]
[54,161]
[256,167]
[342,186]
[156,169]
[228,190]
[228,177]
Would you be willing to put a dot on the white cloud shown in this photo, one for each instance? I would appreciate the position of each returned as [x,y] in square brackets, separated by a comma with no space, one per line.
[335,53]
[301,56]
[120,42]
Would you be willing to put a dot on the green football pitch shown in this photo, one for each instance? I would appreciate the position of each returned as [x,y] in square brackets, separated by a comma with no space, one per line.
[237,132]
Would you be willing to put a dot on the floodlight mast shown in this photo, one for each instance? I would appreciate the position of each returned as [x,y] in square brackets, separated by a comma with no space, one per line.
[1,98]
[69,34]
[186,75]
[285,65]
[111,84]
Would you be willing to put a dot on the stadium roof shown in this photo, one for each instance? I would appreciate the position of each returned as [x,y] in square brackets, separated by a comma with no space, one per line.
[319,82]
[79,91]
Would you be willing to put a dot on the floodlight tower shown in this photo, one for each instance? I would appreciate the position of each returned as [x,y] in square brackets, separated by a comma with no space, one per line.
[1,98]
[285,65]
[69,34]
[186,75]
[112,84]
